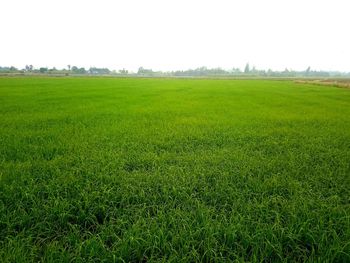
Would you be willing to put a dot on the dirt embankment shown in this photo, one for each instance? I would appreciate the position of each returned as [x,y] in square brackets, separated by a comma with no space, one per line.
[340,83]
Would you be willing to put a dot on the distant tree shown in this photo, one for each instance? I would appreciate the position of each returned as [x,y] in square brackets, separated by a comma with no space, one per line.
[142,70]
[99,71]
[236,70]
[43,70]
[29,68]
[52,70]
[247,68]
[68,67]
[307,71]
[123,71]
[254,70]
[77,70]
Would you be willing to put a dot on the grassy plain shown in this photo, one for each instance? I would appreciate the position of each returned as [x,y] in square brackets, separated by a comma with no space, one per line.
[173,170]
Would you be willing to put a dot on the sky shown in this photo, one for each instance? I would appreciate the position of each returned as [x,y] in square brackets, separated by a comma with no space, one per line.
[176,34]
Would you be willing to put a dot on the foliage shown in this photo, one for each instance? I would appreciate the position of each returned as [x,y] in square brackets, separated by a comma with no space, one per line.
[198,72]
[159,170]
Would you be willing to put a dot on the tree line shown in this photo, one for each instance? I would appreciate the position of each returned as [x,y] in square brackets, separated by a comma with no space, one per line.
[198,72]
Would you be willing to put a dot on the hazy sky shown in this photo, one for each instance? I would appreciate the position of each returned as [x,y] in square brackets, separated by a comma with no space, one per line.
[176,34]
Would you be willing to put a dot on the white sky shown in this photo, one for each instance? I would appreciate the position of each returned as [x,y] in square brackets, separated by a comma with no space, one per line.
[176,34]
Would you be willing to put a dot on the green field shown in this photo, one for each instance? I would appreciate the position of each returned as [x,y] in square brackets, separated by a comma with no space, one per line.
[173,170]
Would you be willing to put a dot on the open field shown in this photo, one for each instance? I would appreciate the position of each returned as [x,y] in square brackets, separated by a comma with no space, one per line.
[173,170]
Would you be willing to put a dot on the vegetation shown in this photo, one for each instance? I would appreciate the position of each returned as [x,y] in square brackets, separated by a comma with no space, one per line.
[198,72]
[176,170]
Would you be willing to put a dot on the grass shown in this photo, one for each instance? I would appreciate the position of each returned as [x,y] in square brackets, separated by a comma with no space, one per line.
[173,170]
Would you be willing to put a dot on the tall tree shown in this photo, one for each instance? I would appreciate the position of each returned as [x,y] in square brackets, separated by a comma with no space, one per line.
[247,68]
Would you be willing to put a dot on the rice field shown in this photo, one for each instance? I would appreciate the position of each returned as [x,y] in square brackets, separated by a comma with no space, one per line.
[173,170]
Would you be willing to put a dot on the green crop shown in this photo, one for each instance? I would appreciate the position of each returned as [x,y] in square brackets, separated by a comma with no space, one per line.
[173,170]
